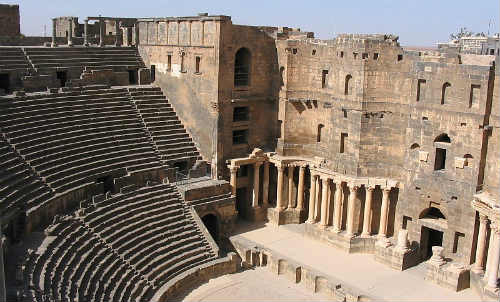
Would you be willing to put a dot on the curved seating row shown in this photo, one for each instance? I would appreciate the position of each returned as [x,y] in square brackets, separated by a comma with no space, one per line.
[123,249]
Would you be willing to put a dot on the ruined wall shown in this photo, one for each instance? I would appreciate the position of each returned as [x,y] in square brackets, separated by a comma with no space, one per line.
[9,20]
[192,94]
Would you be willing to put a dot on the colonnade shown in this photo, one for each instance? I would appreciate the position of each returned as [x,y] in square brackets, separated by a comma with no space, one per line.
[102,31]
[493,253]
[319,196]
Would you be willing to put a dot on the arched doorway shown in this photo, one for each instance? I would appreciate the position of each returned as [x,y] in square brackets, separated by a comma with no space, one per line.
[210,222]
[432,231]
[242,63]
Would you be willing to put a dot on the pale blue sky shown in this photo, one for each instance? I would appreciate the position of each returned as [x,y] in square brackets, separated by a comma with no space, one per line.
[417,22]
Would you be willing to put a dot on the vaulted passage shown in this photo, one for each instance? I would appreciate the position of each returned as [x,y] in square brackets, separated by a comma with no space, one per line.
[210,222]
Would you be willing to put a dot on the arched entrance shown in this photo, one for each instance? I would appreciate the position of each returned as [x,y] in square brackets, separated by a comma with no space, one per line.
[433,222]
[210,222]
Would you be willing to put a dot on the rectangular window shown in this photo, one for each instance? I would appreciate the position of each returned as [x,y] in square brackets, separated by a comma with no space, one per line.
[355,55]
[240,137]
[240,114]
[343,139]
[440,162]
[375,56]
[364,55]
[474,95]
[400,58]
[341,54]
[420,89]
[294,51]
[242,171]
[197,67]
[169,62]
[324,78]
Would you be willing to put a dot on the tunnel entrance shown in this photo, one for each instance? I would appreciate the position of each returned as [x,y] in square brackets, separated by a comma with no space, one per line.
[4,82]
[62,76]
[107,182]
[210,222]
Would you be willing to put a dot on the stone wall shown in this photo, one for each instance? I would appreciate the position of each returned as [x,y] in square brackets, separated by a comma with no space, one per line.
[9,20]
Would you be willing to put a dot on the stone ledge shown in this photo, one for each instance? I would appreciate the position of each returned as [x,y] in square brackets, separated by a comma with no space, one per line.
[448,275]
[253,254]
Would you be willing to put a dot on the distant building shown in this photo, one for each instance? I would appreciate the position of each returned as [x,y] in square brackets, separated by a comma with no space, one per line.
[9,20]
[479,45]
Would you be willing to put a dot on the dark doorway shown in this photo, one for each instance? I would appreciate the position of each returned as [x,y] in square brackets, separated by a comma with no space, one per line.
[241,201]
[62,76]
[107,181]
[181,166]
[210,222]
[440,162]
[153,73]
[428,239]
[4,82]
[132,77]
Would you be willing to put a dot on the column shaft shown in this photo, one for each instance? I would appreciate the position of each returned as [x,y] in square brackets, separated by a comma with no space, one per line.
[279,190]
[54,32]
[300,193]
[494,258]
[233,170]
[337,215]
[350,210]
[384,212]
[101,32]
[312,199]
[317,207]
[70,32]
[117,33]
[256,184]
[290,186]
[265,185]
[367,222]
[481,244]
[324,203]
[86,33]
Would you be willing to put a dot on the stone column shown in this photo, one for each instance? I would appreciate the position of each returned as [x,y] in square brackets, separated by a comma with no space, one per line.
[337,211]
[300,189]
[117,33]
[233,170]
[312,199]
[384,212]
[494,258]
[488,253]
[101,32]
[367,217]
[70,32]
[402,245]
[136,34]
[54,32]
[265,185]
[280,205]
[478,266]
[318,200]
[86,33]
[290,186]
[256,184]
[350,209]
[324,202]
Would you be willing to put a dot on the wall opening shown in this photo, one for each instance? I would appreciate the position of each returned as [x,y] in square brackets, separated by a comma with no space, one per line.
[400,58]
[153,73]
[406,219]
[429,238]
[440,161]
[107,181]
[197,63]
[420,89]
[456,242]
[240,137]
[318,136]
[341,54]
[474,95]
[132,76]
[445,92]
[242,67]
[183,55]
[5,82]
[181,166]
[347,85]
[414,146]
[62,76]
[324,78]
[169,62]
[314,52]
[240,114]
[343,139]
[282,79]
[364,55]
[210,222]
[375,56]
[242,171]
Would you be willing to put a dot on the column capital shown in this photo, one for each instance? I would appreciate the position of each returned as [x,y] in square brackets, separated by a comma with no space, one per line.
[483,218]
[280,167]
[370,188]
[495,227]
[302,168]
[233,169]
[386,189]
[353,187]
[325,179]
[258,163]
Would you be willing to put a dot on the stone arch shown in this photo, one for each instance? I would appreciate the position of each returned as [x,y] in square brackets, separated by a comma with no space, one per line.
[442,138]
[431,213]
[415,146]
[445,91]
[319,133]
[348,84]
[242,63]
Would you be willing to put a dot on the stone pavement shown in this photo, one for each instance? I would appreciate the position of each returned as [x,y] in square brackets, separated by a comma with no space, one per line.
[357,270]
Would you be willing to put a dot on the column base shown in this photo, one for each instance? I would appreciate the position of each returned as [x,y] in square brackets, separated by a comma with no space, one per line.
[477,269]
[383,242]
[492,291]
[365,235]
[288,216]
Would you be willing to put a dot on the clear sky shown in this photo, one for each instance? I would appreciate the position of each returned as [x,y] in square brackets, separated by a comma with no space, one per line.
[417,22]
